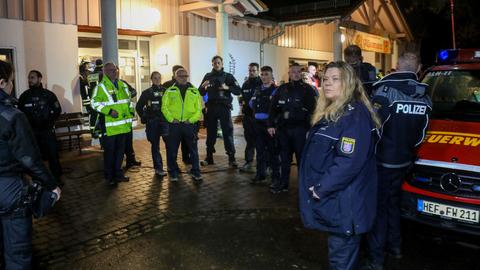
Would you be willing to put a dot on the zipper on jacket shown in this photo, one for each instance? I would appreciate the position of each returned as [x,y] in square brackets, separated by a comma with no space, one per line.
[183,103]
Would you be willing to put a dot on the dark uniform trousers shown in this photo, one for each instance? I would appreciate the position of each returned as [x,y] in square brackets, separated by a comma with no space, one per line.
[113,151]
[386,229]
[185,151]
[267,151]
[291,141]
[156,129]
[129,152]
[343,251]
[15,227]
[250,137]
[175,134]
[220,112]
[47,142]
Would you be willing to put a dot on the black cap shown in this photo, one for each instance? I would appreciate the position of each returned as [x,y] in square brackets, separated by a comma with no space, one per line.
[99,63]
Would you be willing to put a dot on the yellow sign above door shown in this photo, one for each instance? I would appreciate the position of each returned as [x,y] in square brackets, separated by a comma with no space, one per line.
[373,43]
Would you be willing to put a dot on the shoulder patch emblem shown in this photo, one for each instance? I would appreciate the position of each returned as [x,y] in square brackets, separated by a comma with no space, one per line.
[348,145]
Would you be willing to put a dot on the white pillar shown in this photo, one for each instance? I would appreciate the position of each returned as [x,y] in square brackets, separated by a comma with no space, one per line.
[337,42]
[222,34]
[395,54]
[109,31]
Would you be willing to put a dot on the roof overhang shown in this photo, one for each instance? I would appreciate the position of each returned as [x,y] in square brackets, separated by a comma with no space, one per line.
[239,8]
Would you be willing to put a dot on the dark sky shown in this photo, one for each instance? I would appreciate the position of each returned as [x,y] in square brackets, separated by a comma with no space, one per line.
[430,23]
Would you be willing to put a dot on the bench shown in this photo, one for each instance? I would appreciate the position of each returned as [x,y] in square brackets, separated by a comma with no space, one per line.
[71,126]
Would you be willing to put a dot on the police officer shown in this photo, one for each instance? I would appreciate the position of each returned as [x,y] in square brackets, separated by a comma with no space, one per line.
[248,88]
[182,107]
[172,81]
[111,98]
[404,107]
[183,144]
[337,170]
[84,85]
[149,108]
[219,85]
[266,147]
[365,71]
[42,108]
[289,119]
[19,155]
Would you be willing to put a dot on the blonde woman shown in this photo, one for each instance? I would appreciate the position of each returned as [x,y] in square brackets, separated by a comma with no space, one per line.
[338,178]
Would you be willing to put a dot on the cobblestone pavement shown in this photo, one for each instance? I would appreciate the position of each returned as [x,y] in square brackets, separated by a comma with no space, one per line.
[222,223]
[92,217]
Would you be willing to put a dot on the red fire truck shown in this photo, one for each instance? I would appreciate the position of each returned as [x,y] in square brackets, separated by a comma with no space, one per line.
[443,189]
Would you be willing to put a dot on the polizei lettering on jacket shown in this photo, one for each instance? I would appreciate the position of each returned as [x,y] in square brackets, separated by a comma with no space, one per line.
[411,109]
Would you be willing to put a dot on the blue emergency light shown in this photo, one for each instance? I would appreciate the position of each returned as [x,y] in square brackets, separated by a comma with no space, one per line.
[443,55]
[447,56]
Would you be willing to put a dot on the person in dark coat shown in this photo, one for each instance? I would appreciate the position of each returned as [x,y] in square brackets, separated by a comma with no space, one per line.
[149,108]
[248,89]
[338,178]
[404,107]
[42,109]
[19,155]
[219,85]
[365,71]
[289,118]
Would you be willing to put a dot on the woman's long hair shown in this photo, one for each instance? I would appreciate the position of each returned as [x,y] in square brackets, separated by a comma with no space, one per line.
[351,89]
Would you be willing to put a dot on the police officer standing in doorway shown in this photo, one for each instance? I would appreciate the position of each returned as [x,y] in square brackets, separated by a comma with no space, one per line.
[111,98]
[248,88]
[267,152]
[403,129]
[42,108]
[182,107]
[365,71]
[219,85]
[149,108]
[289,119]
[19,155]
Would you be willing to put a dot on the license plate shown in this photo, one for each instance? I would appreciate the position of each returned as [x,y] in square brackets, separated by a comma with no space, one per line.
[448,211]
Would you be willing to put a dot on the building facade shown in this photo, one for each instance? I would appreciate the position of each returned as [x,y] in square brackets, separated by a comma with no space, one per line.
[54,36]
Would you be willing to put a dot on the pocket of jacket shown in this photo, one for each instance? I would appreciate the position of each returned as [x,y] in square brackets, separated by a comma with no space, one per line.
[327,210]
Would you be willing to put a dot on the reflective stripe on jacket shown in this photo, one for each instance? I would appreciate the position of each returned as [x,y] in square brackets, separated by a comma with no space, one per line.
[175,107]
[107,97]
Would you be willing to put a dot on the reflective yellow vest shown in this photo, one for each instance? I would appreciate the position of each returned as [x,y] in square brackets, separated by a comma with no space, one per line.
[188,109]
[107,97]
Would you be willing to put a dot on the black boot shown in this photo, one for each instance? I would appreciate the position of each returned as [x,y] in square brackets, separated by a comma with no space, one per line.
[232,162]
[208,160]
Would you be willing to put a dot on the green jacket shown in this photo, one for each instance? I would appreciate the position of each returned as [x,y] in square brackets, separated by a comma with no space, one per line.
[188,109]
[107,97]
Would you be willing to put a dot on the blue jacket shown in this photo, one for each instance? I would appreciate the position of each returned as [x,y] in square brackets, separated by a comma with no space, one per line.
[339,162]
[404,107]
[260,101]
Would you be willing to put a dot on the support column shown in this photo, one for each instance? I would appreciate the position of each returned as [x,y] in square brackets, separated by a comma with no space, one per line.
[337,42]
[222,34]
[109,31]
[395,54]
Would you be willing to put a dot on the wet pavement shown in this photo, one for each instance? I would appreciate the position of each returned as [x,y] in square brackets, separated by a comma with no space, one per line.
[222,223]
